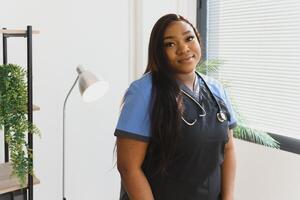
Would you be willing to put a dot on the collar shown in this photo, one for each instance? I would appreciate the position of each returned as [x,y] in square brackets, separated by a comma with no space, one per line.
[196,88]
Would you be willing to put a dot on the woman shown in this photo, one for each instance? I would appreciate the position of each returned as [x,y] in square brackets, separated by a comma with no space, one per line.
[174,134]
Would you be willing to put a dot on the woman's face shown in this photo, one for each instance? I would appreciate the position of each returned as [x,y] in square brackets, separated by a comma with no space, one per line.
[181,47]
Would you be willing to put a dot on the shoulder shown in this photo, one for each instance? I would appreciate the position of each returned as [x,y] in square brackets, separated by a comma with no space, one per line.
[214,85]
[219,92]
[142,86]
[134,119]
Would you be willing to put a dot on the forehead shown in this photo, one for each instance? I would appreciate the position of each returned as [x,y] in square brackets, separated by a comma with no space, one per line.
[177,28]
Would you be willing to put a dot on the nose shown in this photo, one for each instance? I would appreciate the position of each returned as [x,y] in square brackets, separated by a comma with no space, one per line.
[183,48]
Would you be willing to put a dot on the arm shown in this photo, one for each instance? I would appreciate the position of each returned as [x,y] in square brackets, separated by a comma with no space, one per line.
[228,169]
[130,156]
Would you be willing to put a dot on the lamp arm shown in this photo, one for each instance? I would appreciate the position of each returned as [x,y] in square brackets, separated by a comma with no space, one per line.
[64,129]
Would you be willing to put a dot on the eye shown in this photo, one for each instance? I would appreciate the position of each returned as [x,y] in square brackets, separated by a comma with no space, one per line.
[190,38]
[169,44]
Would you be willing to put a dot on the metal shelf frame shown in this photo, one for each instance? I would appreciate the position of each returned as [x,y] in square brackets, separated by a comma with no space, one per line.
[27,192]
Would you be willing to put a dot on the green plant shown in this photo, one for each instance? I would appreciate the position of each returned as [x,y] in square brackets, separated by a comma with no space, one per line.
[13,117]
[242,131]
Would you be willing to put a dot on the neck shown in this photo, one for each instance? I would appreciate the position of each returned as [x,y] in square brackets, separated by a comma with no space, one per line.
[187,79]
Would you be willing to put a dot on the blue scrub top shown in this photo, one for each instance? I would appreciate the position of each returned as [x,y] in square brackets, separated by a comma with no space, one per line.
[134,120]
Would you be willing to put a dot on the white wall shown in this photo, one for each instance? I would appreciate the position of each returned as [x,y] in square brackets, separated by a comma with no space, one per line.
[93,33]
[266,174]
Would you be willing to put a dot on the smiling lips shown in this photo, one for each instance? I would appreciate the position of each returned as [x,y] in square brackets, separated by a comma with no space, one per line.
[186,59]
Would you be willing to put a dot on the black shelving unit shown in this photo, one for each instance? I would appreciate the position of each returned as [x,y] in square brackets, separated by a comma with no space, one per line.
[27,192]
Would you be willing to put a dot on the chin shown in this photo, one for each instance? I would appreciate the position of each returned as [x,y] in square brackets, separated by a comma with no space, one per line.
[183,68]
[186,70]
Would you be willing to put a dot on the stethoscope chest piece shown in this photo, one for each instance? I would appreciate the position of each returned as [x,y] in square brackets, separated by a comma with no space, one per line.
[221,116]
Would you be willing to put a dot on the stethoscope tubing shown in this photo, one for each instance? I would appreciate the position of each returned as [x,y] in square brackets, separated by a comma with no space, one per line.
[200,115]
[220,114]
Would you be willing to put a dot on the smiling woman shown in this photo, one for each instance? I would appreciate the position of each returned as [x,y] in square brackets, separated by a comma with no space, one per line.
[182,48]
[174,134]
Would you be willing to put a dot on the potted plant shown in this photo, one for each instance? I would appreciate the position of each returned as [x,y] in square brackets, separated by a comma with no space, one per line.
[13,116]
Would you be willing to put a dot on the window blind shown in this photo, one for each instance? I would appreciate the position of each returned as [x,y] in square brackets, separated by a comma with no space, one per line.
[258,42]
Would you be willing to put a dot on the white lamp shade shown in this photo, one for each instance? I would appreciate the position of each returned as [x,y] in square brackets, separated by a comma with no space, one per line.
[90,87]
[95,91]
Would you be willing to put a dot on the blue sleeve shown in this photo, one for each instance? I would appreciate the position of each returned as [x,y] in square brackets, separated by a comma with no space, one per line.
[232,120]
[134,119]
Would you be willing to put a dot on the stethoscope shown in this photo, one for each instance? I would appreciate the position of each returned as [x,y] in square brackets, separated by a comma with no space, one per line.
[221,117]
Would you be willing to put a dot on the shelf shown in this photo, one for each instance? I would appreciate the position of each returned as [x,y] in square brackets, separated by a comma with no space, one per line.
[16,33]
[10,31]
[10,183]
[35,108]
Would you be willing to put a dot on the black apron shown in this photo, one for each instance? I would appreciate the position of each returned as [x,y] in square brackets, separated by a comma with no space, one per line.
[195,171]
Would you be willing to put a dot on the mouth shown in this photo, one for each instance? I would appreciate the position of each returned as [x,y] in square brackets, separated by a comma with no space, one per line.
[186,59]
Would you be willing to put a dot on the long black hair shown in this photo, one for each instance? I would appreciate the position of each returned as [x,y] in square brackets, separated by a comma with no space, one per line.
[166,99]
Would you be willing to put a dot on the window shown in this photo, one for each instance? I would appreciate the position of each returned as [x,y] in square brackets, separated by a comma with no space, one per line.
[259,43]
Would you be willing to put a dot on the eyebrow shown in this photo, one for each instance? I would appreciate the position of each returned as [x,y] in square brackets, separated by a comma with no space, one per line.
[184,33]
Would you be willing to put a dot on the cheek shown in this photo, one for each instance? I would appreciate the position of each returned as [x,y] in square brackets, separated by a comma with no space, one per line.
[197,49]
[170,55]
